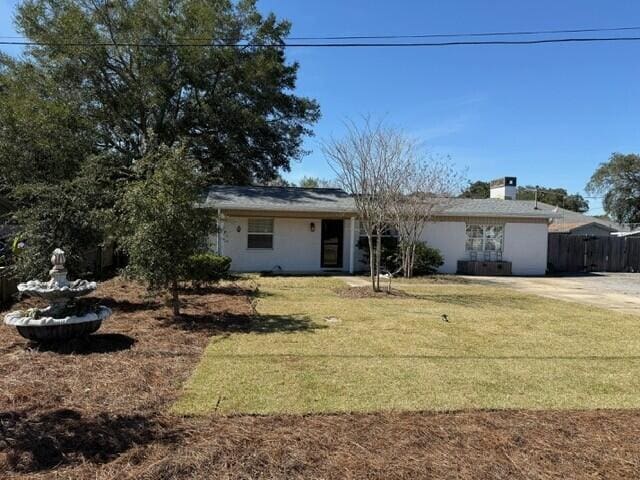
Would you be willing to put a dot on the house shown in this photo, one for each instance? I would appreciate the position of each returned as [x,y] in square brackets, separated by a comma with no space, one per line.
[312,230]
[574,223]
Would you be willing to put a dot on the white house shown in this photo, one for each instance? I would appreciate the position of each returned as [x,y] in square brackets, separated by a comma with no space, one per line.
[307,230]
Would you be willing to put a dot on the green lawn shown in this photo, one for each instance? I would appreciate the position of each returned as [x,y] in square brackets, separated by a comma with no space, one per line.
[501,349]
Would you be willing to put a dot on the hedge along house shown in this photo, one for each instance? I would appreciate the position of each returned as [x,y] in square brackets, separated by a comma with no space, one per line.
[314,230]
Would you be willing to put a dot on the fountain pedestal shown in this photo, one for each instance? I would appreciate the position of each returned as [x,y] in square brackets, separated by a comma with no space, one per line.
[63,318]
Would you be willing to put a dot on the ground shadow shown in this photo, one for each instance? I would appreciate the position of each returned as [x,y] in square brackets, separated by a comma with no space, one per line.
[126,306]
[34,443]
[96,343]
[234,323]
[229,290]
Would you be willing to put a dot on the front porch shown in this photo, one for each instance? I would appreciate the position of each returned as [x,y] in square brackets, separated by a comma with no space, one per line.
[295,242]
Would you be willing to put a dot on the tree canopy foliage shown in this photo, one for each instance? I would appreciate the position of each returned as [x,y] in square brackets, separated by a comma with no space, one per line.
[477,189]
[315,182]
[552,196]
[619,181]
[105,83]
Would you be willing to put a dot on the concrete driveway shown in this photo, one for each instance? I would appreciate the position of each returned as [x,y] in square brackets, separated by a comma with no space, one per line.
[616,291]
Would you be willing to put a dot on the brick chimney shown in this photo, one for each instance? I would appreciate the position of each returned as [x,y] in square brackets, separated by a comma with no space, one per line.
[504,188]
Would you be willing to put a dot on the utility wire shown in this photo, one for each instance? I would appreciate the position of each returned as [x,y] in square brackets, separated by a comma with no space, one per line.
[425,35]
[324,45]
[472,34]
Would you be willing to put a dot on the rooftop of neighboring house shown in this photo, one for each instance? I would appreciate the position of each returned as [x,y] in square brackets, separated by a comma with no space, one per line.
[568,221]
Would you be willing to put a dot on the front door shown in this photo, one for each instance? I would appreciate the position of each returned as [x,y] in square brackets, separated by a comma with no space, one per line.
[332,236]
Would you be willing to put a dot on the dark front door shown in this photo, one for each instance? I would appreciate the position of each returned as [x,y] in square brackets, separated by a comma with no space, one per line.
[332,236]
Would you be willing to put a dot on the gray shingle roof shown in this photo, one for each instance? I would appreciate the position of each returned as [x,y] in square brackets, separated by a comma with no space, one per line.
[293,199]
[287,199]
[495,207]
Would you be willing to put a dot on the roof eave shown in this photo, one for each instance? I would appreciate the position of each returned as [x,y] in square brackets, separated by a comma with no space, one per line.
[495,214]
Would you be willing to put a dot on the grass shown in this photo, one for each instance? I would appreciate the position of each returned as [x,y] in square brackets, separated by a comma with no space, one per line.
[501,349]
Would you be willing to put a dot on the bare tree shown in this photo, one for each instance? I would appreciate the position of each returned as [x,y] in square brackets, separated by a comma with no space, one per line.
[425,188]
[369,162]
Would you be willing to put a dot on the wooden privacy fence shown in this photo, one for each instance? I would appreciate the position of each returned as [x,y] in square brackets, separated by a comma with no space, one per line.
[584,253]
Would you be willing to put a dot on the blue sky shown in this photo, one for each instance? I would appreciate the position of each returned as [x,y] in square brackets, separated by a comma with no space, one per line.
[546,114]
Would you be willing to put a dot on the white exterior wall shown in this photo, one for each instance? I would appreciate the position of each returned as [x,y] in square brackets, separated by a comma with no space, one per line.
[525,246]
[506,192]
[450,239]
[295,247]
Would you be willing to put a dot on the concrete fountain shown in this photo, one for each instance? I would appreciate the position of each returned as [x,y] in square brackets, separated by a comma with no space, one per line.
[64,318]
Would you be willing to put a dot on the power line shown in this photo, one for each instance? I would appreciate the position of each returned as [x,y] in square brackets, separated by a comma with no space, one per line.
[471,34]
[423,35]
[323,45]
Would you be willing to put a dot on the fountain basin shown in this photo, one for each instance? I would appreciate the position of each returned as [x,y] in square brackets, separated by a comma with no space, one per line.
[46,328]
[46,290]
[59,332]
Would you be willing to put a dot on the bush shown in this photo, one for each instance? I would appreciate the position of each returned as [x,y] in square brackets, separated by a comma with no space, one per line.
[206,268]
[389,256]
[427,260]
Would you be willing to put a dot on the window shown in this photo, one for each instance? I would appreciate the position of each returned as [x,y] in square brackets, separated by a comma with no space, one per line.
[260,233]
[484,238]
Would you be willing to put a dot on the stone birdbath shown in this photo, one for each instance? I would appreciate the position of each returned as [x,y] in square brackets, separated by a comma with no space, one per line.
[64,318]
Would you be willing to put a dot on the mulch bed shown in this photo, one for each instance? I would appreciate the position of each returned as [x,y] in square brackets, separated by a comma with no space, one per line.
[97,410]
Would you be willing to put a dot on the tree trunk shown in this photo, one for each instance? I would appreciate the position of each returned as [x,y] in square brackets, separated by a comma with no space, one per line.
[412,258]
[372,261]
[406,264]
[378,255]
[175,300]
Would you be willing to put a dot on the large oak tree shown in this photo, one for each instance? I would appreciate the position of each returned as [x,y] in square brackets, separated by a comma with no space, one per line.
[107,81]
[619,181]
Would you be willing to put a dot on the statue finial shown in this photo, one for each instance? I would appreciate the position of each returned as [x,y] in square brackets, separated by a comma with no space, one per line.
[58,272]
[58,259]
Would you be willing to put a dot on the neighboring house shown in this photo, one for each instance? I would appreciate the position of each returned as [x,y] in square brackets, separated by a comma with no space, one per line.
[574,223]
[306,230]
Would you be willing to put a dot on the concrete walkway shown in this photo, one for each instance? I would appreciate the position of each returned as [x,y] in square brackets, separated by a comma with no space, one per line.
[615,291]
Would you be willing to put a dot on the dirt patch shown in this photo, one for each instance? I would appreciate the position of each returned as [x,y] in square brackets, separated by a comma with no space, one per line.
[94,409]
[367,292]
